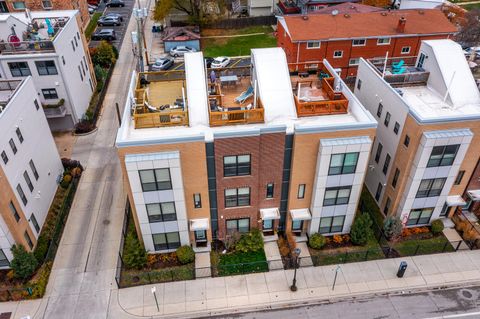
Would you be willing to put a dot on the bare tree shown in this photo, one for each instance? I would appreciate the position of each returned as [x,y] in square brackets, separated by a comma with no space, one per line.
[469,34]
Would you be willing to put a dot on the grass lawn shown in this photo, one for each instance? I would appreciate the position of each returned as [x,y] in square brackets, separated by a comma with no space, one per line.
[437,244]
[92,24]
[132,277]
[371,251]
[471,6]
[237,263]
[237,46]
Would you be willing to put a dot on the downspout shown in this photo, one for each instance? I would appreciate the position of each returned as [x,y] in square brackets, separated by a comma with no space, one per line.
[298,55]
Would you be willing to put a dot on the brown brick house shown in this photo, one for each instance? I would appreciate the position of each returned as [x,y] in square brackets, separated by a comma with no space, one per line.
[344,38]
[41,5]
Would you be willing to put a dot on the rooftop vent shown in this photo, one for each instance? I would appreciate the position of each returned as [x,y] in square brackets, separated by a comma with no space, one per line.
[421,12]
[305,17]
[384,14]
[346,15]
[401,25]
[334,12]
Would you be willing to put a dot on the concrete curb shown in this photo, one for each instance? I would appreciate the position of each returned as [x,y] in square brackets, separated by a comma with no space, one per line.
[85,134]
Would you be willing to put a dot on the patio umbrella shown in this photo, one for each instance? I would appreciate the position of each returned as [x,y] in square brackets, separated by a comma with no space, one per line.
[49,27]
[472,64]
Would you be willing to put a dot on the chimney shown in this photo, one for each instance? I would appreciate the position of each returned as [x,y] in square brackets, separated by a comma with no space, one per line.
[401,25]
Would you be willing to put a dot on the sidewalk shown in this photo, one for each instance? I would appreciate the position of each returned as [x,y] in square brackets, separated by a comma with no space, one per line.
[214,296]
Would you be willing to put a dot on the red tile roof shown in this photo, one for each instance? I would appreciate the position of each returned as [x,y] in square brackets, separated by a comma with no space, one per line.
[363,25]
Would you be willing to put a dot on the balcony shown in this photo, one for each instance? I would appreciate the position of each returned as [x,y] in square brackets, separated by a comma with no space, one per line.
[26,47]
[7,89]
[234,101]
[54,112]
[159,103]
[400,71]
[288,7]
[314,93]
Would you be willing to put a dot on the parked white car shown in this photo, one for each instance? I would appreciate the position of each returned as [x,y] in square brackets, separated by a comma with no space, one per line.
[220,62]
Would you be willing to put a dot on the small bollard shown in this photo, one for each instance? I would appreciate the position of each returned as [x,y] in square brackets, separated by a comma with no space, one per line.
[402,269]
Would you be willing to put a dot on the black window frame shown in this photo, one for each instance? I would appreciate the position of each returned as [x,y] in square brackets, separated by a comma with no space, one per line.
[157,184]
[4,157]
[343,169]
[379,110]
[359,84]
[429,191]
[337,200]
[237,169]
[417,221]
[301,191]
[22,195]
[237,200]
[197,200]
[386,121]
[406,141]
[21,67]
[46,67]
[442,149]
[50,94]
[297,229]
[396,128]
[378,193]
[28,239]
[378,154]
[19,135]
[395,177]
[330,229]
[458,179]
[34,169]
[37,106]
[14,211]
[4,262]
[167,245]
[386,164]
[28,181]
[237,228]
[13,146]
[35,224]
[386,208]
[162,217]
[270,188]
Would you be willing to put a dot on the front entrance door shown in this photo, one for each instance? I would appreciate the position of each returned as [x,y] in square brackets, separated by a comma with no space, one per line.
[201,238]
[297,227]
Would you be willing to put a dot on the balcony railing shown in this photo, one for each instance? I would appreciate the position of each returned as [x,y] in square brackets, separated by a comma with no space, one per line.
[53,112]
[7,48]
[219,118]
[407,73]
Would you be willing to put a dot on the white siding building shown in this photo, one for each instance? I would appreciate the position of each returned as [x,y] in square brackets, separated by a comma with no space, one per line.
[49,46]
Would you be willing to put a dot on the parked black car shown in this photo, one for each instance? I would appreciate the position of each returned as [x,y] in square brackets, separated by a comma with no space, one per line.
[208,62]
[104,34]
[115,3]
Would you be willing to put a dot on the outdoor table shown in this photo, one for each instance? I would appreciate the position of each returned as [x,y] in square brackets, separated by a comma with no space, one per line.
[228,79]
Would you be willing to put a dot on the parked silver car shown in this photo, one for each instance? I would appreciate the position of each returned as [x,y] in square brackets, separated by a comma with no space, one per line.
[162,64]
[181,50]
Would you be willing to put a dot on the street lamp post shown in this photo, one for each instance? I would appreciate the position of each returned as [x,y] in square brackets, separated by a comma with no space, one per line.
[297,252]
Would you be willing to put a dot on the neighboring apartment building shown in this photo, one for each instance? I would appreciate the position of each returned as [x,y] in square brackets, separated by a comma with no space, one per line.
[257,149]
[428,136]
[29,166]
[46,5]
[344,38]
[50,47]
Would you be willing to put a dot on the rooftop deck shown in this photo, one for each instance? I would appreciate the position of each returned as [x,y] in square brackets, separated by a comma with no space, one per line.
[314,93]
[400,71]
[233,99]
[159,103]
[37,37]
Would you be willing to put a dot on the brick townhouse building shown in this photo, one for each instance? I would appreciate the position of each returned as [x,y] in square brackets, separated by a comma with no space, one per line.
[261,148]
[43,5]
[344,38]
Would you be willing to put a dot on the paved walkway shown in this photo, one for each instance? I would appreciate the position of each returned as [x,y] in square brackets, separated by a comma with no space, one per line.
[214,296]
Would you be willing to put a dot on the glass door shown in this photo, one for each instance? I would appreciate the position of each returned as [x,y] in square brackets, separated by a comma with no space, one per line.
[297,227]
[268,226]
[201,238]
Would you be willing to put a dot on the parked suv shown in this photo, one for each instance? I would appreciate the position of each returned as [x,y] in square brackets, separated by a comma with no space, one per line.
[108,20]
[104,34]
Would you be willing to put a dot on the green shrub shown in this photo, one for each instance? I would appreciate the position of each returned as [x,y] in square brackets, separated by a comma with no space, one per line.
[251,241]
[317,241]
[23,262]
[40,280]
[361,230]
[185,254]
[42,247]
[437,226]
[134,256]
[103,54]
[392,227]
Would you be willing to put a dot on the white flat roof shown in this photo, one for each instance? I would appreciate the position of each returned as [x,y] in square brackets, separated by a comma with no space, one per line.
[39,15]
[273,78]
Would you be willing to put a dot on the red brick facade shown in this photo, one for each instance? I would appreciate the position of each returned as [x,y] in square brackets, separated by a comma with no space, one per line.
[371,49]
[38,5]
[266,158]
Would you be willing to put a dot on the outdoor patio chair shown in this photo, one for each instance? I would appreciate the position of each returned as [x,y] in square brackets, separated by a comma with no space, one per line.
[399,70]
[244,95]
[150,108]
[398,65]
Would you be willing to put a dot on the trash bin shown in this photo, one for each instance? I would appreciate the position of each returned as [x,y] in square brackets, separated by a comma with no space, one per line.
[402,269]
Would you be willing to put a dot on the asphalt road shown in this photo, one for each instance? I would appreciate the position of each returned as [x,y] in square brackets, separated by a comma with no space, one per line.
[438,304]
[120,30]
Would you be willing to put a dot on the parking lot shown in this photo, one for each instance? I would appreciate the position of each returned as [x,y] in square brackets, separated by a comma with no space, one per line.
[179,65]
[126,13]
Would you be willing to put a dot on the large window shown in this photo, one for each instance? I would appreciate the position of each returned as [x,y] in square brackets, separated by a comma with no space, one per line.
[337,195]
[3,259]
[14,211]
[164,241]
[419,216]
[13,146]
[383,41]
[387,119]
[313,44]
[237,197]
[46,67]
[49,94]
[378,192]
[343,163]
[354,61]
[270,188]
[19,69]
[337,54]
[28,239]
[395,178]
[22,194]
[19,135]
[430,187]
[405,50]
[386,164]
[238,165]
[238,225]
[34,169]
[35,224]
[379,152]
[443,155]
[155,179]
[161,212]
[28,181]
[331,224]
[4,157]
[359,42]
[19,5]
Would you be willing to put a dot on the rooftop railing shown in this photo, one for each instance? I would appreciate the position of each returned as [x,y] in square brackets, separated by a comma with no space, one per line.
[7,48]
[400,71]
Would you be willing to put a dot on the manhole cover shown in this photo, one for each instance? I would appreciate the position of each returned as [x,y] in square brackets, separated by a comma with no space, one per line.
[106,221]
[468,294]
